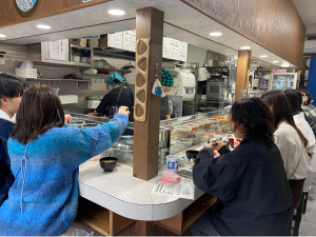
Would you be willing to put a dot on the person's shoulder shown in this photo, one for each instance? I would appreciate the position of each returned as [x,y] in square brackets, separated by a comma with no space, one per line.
[284,128]
[62,134]
[285,132]
[6,128]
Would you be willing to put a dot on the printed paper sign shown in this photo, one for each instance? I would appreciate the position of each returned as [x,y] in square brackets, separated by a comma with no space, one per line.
[57,50]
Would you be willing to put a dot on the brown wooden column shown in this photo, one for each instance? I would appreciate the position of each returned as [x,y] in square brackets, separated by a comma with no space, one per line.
[242,77]
[149,29]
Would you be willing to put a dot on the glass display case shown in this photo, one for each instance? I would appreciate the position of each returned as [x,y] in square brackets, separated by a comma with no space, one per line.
[284,81]
[189,131]
[175,135]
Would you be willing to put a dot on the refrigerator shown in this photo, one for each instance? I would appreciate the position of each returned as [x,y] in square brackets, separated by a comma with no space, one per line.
[284,81]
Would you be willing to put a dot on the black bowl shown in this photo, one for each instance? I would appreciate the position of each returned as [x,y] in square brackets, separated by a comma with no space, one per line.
[191,154]
[108,167]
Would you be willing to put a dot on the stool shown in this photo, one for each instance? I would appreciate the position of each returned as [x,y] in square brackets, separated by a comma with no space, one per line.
[305,199]
[297,217]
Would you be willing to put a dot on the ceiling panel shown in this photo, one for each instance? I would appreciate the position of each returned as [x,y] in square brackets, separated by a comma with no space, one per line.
[192,26]
[307,10]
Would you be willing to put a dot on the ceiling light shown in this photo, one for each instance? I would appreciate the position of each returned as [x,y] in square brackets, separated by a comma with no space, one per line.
[216,34]
[44,27]
[275,61]
[116,12]
[263,56]
[2,36]
[285,65]
[245,47]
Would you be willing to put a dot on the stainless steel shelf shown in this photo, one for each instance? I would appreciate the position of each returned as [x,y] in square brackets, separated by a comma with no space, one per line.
[54,79]
[63,63]
[79,47]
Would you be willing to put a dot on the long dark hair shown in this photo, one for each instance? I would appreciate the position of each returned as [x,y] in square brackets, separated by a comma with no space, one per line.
[40,110]
[255,118]
[294,99]
[282,110]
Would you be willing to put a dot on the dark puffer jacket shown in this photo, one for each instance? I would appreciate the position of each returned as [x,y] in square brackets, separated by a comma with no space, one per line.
[6,176]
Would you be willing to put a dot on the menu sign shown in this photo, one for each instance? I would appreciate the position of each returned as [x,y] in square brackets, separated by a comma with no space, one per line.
[165,48]
[115,40]
[175,49]
[183,51]
[58,50]
[172,49]
[129,40]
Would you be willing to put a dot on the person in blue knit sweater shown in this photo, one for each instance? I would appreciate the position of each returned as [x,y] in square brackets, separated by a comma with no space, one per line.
[45,157]
[11,91]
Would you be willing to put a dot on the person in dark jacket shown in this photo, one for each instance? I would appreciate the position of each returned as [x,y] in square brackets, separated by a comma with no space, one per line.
[118,96]
[254,196]
[11,91]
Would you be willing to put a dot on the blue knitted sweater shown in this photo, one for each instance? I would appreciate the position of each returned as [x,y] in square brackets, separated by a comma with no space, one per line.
[45,204]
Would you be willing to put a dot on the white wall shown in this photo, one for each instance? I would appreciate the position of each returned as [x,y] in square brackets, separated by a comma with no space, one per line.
[196,54]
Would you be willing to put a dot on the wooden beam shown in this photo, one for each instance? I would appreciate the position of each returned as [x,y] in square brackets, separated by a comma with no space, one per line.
[149,28]
[242,77]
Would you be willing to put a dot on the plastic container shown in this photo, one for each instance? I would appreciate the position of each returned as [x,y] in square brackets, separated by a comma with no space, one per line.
[201,137]
[183,130]
[207,124]
[184,143]
[194,126]
[26,72]
[218,130]
[201,125]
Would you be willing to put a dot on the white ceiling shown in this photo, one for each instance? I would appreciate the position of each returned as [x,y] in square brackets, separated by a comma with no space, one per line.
[307,11]
[192,27]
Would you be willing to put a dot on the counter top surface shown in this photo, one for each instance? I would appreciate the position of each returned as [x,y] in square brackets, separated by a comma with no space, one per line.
[126,195]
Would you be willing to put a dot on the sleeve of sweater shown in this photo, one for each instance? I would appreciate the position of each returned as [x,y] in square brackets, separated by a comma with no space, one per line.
[288,150]
[218,177]
[94,141]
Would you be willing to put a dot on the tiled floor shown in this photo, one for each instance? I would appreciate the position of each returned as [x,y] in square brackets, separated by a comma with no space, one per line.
[308,224]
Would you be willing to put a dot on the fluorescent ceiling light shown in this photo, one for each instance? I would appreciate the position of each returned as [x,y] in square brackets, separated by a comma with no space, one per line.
[44,27]
[2,36]
[263,56]
[285,65]
[275,61]
[116,12]
[245,47]
[216,34]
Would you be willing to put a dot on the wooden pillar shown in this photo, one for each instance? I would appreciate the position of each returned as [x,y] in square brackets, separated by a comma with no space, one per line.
[242,78]
[149,30]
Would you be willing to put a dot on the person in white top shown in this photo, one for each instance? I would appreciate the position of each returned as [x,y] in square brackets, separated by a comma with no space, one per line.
[295,99]
[291,143]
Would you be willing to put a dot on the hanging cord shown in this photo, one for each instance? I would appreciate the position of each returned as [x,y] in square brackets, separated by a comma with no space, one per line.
[23,173]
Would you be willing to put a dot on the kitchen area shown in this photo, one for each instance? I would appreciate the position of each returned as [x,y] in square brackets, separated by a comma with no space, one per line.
[76,58]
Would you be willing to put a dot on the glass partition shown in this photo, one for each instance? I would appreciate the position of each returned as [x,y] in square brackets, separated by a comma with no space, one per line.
[175,135]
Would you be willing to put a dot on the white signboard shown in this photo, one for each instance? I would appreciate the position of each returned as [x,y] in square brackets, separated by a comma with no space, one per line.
[115,40]
[166,48]
[172,49]
[57,50]
[183,51]
[129,40]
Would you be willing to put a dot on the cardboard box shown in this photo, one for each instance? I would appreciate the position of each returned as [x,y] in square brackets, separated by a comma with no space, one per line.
[95,43]
[80,42]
